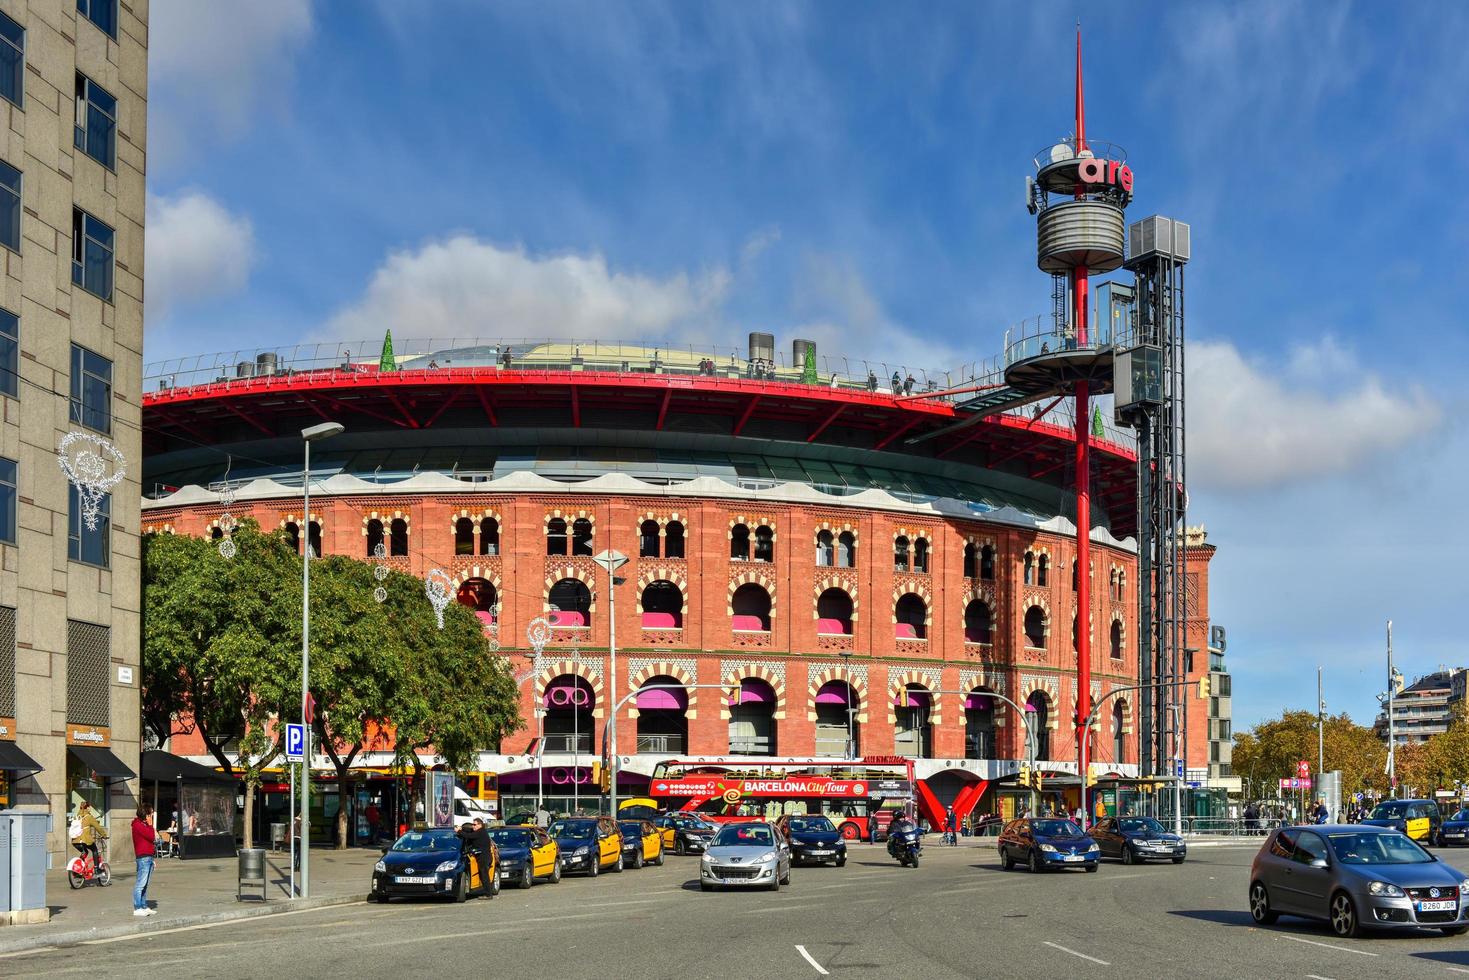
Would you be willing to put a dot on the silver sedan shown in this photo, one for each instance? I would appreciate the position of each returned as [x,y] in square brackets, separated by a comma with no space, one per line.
[1356,877]
[746,855]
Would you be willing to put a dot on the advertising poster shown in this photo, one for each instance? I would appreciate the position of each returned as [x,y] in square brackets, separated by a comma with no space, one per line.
[440,795]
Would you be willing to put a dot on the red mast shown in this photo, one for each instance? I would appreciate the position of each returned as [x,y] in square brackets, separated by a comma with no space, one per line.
[1083,488]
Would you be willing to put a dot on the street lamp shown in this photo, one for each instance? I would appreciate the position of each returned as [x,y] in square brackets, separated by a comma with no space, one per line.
[851,708]
[314,433]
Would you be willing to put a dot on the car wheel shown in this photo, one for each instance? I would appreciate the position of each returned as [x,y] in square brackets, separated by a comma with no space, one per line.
[1260,909]
[658,861]
[1178,860]
[637,860]
[596,867]
[1127,856]
[775,883]
[841,862]
[556,873]
[617,868]
[1005,863]
[1093,867]
[1034,863]
[461,887]
[528,877]
[1344,916]
[704,886]
[678,847]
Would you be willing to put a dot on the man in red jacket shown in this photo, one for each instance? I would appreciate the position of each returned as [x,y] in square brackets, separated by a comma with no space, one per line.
[145,847]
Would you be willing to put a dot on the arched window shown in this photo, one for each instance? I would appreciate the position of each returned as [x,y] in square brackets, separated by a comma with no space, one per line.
[920,555]
[574,601]
[977,621]
[479,594]
[648,540]
[1119,739]
[846,550]
[971,560]
[1040,714]
[764,544]
[662,606]
[581,536]
[398,537]
[913,735]
[1029,577]
[293,536]
[1121,584]
[569,721]
[489,536]
[987,563]
[1111,583]
[374,536]
[555,536]
[739,543]
[752,729]
[1035,627]
[663,725]
[979,724]
[673,540]
[1043,569]
[216,533]
[751,605]
[825,549]
[1116,639]
[834,613]
[837,732]
[912,614]
[313,538]
[464,536]
[900,554]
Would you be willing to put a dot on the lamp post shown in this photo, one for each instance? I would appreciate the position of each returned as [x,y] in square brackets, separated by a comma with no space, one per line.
[314,433]
[611,560]
[851,708]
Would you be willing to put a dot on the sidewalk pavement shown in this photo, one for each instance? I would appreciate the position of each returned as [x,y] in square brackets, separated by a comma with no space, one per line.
[186,893]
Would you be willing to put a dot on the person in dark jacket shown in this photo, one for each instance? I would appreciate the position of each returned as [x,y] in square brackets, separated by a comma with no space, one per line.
[872,826]
[477,840]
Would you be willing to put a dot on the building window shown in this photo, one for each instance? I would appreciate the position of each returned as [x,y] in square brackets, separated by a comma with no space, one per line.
[739,543]
[751,606]
[648,540]
[7,505]
[9,207]
[834,610]
[1029,578]
[971,560]
[910,615]
[977,622]
[374,536]
[825,549]
[555,536]
[1043,569]
[846,550]
[764,544]
[489,536]
[573,601]
[7,664]
[103,13]
[900,554]
[91,389]
[91,254]
[398,538]
[464,536]
[12,60]
[673,540]
[581,536]
[95,132]
[9,354]
[987,563]
[920,555]
[88,661]
[83,544]
[1035,627]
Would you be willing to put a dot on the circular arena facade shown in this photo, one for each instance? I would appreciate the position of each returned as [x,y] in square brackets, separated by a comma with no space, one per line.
[865,569]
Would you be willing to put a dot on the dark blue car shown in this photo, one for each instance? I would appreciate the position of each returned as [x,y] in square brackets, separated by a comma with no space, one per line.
[814,840]
[526,854]
[425,863]
[1456,829]
[1042,843]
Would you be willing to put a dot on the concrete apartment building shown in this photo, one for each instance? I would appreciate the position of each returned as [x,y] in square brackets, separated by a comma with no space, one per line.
[73,99]
[1423,708]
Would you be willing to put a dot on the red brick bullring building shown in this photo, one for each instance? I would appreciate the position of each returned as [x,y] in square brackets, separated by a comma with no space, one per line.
[785,538]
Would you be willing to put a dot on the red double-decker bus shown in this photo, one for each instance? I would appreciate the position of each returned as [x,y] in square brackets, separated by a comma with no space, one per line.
[845,790]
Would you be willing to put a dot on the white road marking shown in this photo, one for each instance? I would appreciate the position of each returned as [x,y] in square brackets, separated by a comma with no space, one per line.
[1316,976]
[208,925]
[1075,953]
[1312,942]
[783,908]
[814,965]
[1456,969]
[1140,874]
[28,952]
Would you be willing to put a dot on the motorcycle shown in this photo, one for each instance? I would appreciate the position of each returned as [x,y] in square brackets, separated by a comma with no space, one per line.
[903,844]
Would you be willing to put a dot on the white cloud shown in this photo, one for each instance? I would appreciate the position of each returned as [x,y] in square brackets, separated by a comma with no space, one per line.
[464,287]
[1316,412]
[213,68]
[195,249]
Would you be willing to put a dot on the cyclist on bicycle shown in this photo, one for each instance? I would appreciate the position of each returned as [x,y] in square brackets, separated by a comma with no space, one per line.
[86,841]
[951,828]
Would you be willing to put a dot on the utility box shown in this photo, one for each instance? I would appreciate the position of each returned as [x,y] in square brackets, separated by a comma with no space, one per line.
[23,866]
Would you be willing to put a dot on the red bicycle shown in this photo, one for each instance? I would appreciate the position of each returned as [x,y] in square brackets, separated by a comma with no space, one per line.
[82,870]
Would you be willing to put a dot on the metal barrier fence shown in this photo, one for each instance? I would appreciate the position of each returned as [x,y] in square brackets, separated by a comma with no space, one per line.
[1227,826]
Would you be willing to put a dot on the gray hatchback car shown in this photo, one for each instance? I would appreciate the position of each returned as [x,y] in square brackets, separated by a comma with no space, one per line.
[1356,877]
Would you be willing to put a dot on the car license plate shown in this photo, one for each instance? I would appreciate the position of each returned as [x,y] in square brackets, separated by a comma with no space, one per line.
[1437,906]
[819,853]
[505,873]
[1073,857]
[1453,833]
[417,880]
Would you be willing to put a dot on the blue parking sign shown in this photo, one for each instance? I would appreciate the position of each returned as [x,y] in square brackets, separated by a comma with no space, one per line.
[295,742]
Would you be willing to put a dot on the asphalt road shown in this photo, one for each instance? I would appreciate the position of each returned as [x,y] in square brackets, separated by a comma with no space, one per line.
[958,915]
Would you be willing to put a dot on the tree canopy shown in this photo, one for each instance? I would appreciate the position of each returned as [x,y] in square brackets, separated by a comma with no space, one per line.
[1271,750]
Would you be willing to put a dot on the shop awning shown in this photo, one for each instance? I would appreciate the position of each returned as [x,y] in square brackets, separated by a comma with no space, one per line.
[101,761]
[12,759]
[165,767]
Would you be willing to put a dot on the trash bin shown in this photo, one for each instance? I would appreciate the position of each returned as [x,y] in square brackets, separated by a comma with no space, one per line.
[252,871]
[277,837]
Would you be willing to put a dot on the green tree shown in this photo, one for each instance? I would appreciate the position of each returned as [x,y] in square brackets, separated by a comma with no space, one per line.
[1271,750]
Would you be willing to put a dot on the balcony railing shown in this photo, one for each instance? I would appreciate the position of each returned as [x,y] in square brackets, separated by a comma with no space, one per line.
[655,744]
[581,742]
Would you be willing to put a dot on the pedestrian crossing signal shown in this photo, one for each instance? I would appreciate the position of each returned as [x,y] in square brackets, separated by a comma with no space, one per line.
[1205,688]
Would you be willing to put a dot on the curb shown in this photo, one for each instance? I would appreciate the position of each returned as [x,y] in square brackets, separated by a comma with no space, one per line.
[76,936]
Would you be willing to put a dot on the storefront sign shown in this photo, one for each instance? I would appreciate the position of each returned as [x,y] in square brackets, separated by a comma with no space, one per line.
[891,789]
[7,729]
[88,735]
[713,786]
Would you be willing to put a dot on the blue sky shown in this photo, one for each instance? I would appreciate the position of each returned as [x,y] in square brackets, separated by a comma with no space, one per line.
[854,172]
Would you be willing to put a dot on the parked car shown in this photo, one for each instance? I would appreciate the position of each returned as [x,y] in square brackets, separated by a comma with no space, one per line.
[1419,819]
[589,845]
[685,832]
[1355,877]
[1134,839]
[746,855]
[814,839]
[526,854]
[1040,843]
[1456,828]
[642,843]
[424,863]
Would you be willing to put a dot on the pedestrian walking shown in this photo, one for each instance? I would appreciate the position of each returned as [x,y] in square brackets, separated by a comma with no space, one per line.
[543,817]
[145,848]
[872,826]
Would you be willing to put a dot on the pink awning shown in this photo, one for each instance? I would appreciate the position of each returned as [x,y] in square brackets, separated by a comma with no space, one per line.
[913,699]
[980,701]
[905,631]
[660,620]
[833,627]
[571,618]
[663,700]
[750,623]
[835,692]
[755,692]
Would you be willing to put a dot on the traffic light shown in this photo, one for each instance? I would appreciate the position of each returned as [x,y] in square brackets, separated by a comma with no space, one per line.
[1025,775]
[1205,687]
[1091,777]
[602,777]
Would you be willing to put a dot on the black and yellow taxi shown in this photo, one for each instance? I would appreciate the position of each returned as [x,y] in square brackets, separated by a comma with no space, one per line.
[589,845]
[1419,819]
[642,843]
[685,832]
[526,855]
[432,863]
